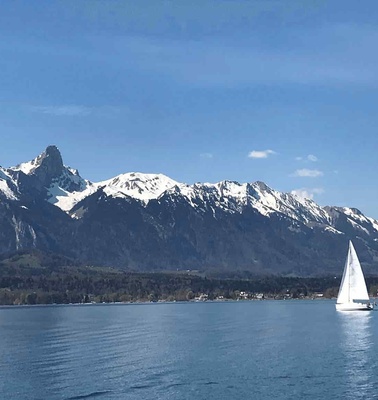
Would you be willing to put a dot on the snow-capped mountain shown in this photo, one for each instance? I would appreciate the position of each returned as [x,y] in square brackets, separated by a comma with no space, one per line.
[45,175]
[149,221]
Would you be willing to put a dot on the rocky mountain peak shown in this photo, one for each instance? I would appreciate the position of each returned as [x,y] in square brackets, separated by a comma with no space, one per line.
[262,186]
[49,164]
[46,177]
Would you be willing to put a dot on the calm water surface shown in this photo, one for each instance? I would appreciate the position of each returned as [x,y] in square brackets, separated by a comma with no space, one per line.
[235,350]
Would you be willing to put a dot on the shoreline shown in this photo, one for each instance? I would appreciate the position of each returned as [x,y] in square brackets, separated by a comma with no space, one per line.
[5,306]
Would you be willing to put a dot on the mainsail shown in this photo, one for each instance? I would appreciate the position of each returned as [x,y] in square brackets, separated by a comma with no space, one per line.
[353,286]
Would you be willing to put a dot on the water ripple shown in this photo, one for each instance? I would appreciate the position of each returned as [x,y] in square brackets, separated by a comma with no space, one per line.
[89,395]
[205,351]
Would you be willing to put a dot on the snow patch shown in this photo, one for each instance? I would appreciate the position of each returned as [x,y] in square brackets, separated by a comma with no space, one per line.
[7,190]
[4,186]
[373,222]
[33,235]
[27,167]
[333,230]
[18,230]
[66,200]
[358,226]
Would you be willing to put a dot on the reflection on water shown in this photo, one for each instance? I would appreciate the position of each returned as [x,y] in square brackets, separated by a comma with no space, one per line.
[356,343]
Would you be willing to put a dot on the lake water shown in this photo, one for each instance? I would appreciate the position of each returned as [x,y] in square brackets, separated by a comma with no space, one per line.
[231,350]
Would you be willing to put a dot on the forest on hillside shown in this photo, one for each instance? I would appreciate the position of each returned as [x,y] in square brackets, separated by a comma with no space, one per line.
[66,285]
[38,278]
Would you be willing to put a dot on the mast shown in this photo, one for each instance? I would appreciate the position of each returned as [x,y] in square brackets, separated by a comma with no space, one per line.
[349,268]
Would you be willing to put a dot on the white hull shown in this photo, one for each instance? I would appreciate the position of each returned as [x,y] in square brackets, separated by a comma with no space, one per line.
[354,307]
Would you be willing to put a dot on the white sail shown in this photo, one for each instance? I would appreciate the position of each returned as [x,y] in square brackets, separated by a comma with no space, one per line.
[344,291]
[353,286]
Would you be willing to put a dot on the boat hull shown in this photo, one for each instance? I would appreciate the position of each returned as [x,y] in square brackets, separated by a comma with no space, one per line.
[354,307]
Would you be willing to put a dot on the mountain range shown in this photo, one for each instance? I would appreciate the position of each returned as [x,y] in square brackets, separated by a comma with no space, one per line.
[149,222]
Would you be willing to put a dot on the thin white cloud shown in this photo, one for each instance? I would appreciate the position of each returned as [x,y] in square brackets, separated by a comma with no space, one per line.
[65,110]
[305,193]
[312,158]
[260,153]
[307,173]
[206,155]
[207,63]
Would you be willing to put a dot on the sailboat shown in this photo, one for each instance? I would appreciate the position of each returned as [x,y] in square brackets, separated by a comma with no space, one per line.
[353,294]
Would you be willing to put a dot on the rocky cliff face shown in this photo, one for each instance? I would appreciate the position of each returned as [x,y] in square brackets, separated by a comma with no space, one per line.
[150,222]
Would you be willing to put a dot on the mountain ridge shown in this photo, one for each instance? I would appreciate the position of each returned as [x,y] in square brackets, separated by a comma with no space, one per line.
[152,222]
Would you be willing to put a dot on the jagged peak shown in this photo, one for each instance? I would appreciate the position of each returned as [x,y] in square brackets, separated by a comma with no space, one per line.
[49,160]
[229,182]
[49,169]
[352,210]
[52,151]
[262,186]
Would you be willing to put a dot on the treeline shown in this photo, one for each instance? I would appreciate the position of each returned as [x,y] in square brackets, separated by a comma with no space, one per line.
[86,284]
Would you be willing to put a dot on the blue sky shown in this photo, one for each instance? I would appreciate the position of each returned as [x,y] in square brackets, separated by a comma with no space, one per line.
[202,91]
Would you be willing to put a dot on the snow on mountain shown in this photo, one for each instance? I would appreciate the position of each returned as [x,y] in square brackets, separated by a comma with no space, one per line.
[226,195]
[65,199]
[140,186]
[27,167]
[359,220]
[268,200]
[64,187]
[7,185]
[233,197]
[59,183]
[143,187]
[61,193]
[373,222]
[357,215]
[333,230]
